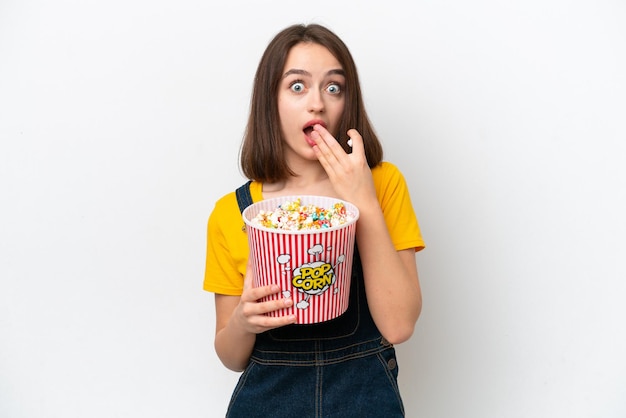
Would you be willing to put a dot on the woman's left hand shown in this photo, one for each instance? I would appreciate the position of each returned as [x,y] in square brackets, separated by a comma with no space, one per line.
[349,174]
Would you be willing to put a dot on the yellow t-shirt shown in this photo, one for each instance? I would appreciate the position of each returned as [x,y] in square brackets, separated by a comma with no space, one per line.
[227,243]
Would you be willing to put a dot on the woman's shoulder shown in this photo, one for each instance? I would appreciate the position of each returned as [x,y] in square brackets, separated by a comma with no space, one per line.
[225,206]
[229,203]
[386,171]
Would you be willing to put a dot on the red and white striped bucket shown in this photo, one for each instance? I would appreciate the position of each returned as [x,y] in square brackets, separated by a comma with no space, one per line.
[312,266]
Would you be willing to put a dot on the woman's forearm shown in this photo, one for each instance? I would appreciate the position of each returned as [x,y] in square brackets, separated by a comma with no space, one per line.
[234,346]
[391,279]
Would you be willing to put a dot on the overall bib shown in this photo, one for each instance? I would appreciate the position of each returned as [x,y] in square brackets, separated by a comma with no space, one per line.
[340,368]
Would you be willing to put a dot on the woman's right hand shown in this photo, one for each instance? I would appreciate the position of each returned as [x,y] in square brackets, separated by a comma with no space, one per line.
[250,313]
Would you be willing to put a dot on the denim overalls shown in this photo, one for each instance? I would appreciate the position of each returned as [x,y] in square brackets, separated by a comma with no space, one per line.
[339,368]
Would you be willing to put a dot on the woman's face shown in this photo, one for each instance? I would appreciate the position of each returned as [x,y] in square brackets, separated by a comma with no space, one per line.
[311,92]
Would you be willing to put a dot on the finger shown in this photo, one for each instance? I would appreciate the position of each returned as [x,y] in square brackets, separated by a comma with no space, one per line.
[255,294]
[265,323]
[281,321]
[256,314]
[274,305]
[324,153]
[328,140]
[356,141]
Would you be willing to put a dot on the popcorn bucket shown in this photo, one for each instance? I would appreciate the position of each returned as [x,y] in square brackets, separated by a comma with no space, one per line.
[312,266]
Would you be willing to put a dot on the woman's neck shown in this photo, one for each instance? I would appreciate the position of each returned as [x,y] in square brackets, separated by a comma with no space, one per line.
[310,181]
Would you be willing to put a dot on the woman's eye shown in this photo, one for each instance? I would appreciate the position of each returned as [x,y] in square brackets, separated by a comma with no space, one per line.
[334,89]
[297,87]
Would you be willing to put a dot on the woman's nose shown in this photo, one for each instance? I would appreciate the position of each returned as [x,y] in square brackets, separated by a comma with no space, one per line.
[316,102]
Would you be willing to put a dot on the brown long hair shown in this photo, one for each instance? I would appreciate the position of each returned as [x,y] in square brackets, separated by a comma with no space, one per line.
[262,150]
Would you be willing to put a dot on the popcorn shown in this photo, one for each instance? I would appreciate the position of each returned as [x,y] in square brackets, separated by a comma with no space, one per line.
[293,216]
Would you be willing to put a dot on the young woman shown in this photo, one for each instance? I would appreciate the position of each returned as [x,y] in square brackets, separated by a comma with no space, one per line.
[308,134]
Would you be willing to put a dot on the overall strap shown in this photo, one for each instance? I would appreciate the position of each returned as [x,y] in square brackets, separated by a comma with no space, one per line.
[244,198]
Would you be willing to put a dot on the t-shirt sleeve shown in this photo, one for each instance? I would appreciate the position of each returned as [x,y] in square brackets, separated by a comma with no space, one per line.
[397,207]
[227,249]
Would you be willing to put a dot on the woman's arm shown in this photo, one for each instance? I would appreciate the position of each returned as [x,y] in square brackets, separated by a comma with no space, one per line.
[391,279]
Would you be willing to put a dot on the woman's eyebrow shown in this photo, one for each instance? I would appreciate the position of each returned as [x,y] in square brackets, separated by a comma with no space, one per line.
[296,71]
[337,71]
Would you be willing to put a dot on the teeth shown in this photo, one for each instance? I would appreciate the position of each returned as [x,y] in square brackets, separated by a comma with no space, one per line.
[350,142]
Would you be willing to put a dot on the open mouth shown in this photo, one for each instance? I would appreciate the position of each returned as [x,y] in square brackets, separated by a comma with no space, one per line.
[308,127]
[307,135]
[308,130]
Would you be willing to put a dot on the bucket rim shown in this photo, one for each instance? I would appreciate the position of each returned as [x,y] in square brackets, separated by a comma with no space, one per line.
[351,208]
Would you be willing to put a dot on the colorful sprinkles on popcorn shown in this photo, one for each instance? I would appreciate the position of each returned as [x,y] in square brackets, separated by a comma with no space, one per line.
[293,216]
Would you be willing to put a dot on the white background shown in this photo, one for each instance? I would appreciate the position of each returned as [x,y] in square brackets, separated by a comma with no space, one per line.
[120,125]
